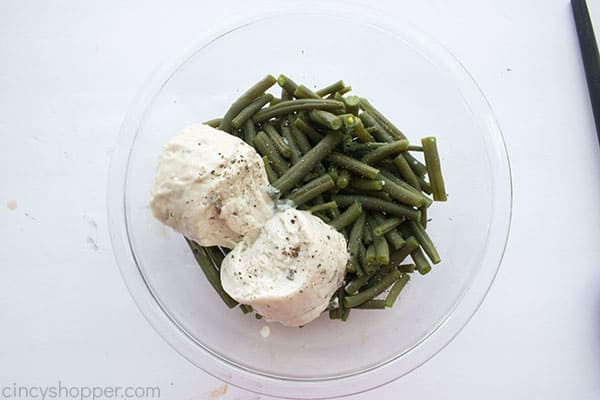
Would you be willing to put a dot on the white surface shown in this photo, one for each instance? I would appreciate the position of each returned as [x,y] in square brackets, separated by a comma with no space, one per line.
[69,70]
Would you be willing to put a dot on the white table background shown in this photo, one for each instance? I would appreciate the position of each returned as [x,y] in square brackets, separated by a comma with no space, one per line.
[68,71]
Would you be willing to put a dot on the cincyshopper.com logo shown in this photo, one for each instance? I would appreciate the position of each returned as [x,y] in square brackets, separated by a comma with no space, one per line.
[68,392]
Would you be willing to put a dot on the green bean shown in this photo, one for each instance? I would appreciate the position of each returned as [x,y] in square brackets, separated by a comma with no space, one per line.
[354,241]
[334,314]
[434,171]
[402,194]
[302,92]
[351,103]
[213,122]
[312,189]
[245,99]
[246,308]
[386,226]
[382,250]
[347,217]
[285,95]
[366,184]
[343,179]
[353,165]
[383,121]
[281,146]
[372,305]
[362,254]
[371,259]
[308,161]
[345,313]
[420,261]
[249,132]
[381,273]
[380,134]
[406,171]
[424,185]
[394,180]
[363,134]
[415,148]
[266,147]
[345,90]
[373,203]
[333,172]
[395,239]
[334,87]
[308,130]
[354,147]
[274,101]
[356,284]
[349,121]
[371,129]
[322,206]
[406,268]
[325,119]
[371,293]
[367,236]
[406,250]
[289,106]
[385,151]
[394,292]
[212,275]
[250,110]
[286,83]
[423,219]
[425,241]
[417,166]
[295,153]
[271,174]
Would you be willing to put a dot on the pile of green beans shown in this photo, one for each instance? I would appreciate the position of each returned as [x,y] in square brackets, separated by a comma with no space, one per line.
[338,157]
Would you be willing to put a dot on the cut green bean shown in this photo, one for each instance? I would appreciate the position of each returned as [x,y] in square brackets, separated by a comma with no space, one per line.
[303,92]
[322,206]
[345,313]
[312,189]
[380,134]
[250,110]
[395,239]
[420,261]
[290,106]
[415,148]
[325,119]
[274,101]
[373,203]
[423,219]
[394,292]
[329,89]
[385,151]
[246,308]
[425,201]
[271,174]
[333,172]
[285,95]
[347,217]
[367,236]
[351,103]
[366,184]
[424,185]
[354,147]
[213,122]
[245,99]
[287,84]
[375,304]
[382,250]
[410,246]
[353,165]
[343,179]
[383,121]
[308,130]
[345,90]
[371,259]
[371,293]
[386,226]
[212,275]
[434,171]
[354,242]
[402,194]
[425,241]
[281,146]
[288,136]
[297,172]
[406,171]
[266,147]
[356,284]
[417,166]
[361,256]
[363,134]
[406,268]
[249,132]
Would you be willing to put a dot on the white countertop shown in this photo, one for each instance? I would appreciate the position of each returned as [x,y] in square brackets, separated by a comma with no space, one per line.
[68,71]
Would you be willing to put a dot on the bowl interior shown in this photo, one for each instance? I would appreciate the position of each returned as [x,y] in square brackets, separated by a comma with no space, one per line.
[410,86]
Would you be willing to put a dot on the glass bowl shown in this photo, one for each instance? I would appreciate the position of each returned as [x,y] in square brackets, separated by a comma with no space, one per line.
[417,84]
